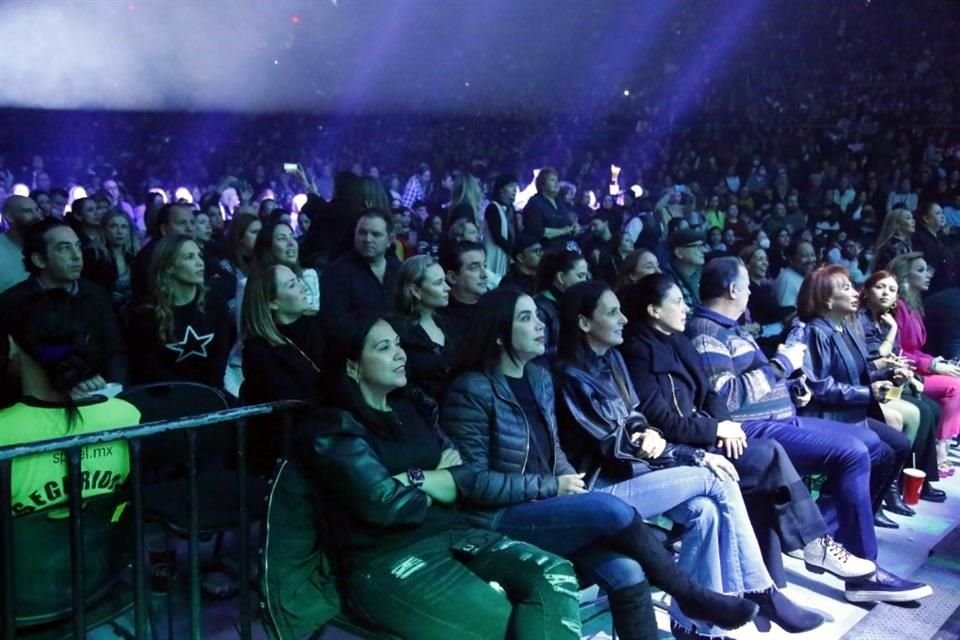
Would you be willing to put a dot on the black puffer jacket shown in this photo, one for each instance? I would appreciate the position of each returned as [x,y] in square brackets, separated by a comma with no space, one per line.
[483,418]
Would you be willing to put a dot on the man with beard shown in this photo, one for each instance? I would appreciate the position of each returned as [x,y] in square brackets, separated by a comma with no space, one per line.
[803,258]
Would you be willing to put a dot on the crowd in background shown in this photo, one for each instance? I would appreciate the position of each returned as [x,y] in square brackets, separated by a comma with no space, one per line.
[505,305]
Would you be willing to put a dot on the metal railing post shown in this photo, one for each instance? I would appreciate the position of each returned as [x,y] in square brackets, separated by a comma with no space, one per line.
[139,554]
[77,566]
[245,631]
[7,614]
[193,550]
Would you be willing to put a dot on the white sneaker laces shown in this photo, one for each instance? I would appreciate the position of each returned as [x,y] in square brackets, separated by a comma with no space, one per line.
[835,549]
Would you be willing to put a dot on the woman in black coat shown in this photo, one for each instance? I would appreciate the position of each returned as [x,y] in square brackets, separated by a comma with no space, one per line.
[501,416]
[675,396]
[422,289]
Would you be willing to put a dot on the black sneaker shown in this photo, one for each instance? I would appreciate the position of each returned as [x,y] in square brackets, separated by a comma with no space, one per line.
[883,586]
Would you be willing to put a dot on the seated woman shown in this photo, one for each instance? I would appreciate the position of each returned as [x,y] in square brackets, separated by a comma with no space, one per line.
[283,352]
[894,238]
[389,481]
[676,396]
[877,300]
[48,347]
[845,386]
[122,247]
[431,355]
[277,244]
[283,346]
[607,439]
[635,266]
[941,378]
[183,331]
[501,415]
[557,272]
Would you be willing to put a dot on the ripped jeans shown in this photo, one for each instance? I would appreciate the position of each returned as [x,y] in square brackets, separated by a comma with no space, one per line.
[428,591]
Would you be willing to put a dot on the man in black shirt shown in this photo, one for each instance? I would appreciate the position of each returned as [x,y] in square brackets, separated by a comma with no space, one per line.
[465,264]
[522,275]
[54,259]
[928,239]
[365,278]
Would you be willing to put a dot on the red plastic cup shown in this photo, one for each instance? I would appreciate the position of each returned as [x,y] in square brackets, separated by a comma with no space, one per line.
[913,485]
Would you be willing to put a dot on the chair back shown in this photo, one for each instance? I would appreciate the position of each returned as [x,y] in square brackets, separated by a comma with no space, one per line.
[296,581]
[42,571]
[173,400]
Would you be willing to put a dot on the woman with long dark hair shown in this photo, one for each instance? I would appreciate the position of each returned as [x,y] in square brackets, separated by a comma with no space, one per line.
[122,248]
[407,559]
[878,299]
[500,413]
[557,272]
[609,440]
[675,395]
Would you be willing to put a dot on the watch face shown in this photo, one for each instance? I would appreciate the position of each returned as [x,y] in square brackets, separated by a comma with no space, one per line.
[416,477]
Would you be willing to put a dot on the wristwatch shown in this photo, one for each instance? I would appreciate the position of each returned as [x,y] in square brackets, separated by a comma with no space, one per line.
[416,477]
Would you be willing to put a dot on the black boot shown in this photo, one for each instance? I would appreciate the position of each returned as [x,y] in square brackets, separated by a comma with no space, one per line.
[894,503]
[880,519]
[639,543]
[776,607]
[632,612]
[930,494]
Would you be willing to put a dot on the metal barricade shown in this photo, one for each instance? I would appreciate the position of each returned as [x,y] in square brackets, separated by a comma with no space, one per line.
[134,436]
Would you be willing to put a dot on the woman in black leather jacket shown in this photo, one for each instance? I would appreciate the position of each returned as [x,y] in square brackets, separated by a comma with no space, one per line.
[608,439]
[388,480]
[845,385]
[501,416]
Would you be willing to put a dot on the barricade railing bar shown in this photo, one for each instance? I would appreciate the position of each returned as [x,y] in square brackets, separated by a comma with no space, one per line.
[134,435]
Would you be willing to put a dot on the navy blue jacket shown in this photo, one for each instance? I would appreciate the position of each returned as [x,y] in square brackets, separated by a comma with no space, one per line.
[834,375]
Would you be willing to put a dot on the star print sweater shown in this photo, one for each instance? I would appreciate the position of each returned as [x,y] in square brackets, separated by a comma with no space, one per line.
[195,351]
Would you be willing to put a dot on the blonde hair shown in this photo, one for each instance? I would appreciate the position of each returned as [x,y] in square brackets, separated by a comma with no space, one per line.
[256,318]
[161,283]
[899,267]
[413,272]
[466,189]
[889,228]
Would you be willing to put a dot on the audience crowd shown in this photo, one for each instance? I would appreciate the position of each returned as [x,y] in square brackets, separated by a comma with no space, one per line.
[523,338]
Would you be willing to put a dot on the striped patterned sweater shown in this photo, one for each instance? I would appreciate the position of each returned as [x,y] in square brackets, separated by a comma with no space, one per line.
[753,387]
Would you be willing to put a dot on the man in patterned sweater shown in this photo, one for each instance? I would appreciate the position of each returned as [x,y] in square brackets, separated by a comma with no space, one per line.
[757,393]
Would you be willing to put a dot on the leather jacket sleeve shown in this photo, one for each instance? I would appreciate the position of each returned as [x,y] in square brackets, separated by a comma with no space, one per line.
[469,417]
[598,418]
[358,480]
[823,363]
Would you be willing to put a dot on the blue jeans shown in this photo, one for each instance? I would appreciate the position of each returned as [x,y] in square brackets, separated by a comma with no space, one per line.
[573,527]
[719,549]
[858,466]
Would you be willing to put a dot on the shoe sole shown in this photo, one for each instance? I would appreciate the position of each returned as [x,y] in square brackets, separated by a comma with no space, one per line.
[889,596]
[812,568]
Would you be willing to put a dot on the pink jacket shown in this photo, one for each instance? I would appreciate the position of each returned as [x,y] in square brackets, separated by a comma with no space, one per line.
[913,335]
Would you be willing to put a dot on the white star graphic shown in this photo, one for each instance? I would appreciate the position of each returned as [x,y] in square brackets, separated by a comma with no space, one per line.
[191,345]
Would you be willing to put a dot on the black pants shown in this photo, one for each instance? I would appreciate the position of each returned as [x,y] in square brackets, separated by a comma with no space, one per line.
[783,515]
[925,444]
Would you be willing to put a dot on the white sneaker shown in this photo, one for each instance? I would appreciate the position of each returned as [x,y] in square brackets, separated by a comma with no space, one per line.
[826,554]
[796,553]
